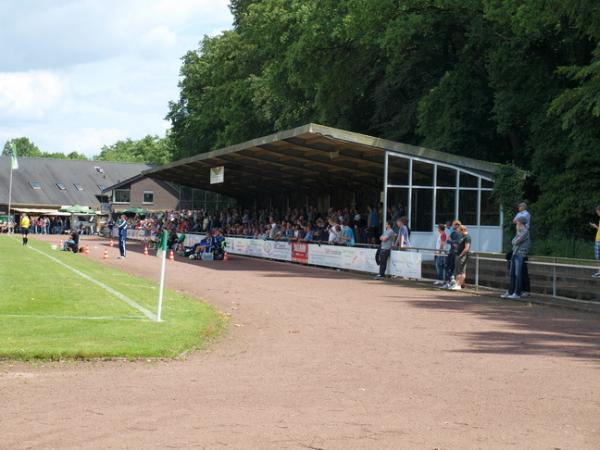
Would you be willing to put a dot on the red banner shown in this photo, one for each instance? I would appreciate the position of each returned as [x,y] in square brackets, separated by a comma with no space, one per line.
[300,252]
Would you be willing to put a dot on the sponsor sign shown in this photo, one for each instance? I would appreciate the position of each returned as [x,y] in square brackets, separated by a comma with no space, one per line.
[401,263]
[300,252]
[405,264]
[217,174]
[281,251]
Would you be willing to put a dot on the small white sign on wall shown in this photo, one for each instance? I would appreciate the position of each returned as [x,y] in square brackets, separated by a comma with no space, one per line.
[217,175]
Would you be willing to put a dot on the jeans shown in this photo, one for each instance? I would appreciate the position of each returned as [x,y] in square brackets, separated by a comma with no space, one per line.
[516,275]
[122,249]
[384,255]
[440,262]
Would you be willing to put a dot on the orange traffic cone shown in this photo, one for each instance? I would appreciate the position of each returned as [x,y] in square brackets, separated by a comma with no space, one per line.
[105,256]
[112,243]
[87,249]
[226,257]
[145,250]
[171,256]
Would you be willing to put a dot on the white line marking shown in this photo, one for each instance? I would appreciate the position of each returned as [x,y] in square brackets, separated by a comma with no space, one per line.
[37,316]
[140,308]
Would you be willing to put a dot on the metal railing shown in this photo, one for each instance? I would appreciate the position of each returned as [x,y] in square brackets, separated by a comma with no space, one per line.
[554,276]
[480,258]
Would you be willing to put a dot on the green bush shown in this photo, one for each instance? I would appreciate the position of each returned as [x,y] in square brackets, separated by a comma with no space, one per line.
[564,247]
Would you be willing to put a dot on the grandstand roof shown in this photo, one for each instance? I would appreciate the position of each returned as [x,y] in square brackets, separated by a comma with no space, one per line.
[310,156]
[91,177]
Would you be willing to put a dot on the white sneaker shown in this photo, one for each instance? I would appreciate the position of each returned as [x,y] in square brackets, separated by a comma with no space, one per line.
[513,296]
[525,294]
[445,286]
[438,283]
[505,295]
[596,275]
[456,287]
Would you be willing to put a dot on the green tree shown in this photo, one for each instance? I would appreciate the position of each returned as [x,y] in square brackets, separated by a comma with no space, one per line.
[60,155]
[150,149]
[24,147]
[508,81]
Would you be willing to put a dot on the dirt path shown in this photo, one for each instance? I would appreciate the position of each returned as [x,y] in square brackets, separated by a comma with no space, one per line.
[325,360]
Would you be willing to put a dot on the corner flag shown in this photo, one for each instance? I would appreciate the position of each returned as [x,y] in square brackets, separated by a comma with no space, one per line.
[14,164]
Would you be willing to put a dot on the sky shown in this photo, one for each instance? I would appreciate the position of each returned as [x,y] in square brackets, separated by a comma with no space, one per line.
[79,74]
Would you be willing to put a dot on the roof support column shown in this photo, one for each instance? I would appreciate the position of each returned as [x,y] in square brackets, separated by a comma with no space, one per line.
[385,189]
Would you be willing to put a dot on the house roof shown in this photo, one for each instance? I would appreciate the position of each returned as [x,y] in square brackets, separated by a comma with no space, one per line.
[92,176]
[310,156]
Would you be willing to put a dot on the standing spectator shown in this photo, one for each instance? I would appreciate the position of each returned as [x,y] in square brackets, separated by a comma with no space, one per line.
[403,239]
[462,257]
[122,236]
[520,244]
[523,212]
[453,241]
[387,241]
[372,225]
[111,225]
[440,258]
[39,226]
[597,243]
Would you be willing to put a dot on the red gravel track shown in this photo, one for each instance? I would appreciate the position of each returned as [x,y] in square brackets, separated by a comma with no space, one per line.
[323,359]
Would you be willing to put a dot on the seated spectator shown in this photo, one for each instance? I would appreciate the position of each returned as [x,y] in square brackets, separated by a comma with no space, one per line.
[73,243]
[308,234]
[348,235]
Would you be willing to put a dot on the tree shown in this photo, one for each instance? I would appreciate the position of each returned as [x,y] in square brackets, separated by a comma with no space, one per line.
[507,81]
[24,147]
[60,155]
[150,149]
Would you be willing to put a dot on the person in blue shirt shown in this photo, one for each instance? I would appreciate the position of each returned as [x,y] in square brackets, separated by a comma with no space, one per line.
[348,234]
[308,234]
[122,236]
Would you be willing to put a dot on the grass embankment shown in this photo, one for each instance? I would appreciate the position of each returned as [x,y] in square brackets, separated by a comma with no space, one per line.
[50,312]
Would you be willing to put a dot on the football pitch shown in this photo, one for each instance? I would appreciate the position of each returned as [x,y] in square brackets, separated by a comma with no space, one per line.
[56,305]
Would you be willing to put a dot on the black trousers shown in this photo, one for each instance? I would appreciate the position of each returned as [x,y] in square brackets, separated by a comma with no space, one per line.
[450,263]
[384,255]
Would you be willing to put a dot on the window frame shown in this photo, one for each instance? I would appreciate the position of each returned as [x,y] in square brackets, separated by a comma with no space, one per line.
[144,202]
[456,189]
[114,196]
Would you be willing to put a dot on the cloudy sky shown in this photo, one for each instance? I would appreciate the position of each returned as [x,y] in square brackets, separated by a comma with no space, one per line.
[80,74]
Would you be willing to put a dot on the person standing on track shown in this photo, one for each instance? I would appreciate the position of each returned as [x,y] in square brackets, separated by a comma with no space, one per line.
[387,242]
[25,223]
[122,236]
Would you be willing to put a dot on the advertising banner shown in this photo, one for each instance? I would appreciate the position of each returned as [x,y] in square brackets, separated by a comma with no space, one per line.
[300,252]
[405,264]
[281,251]
[401,263]
[192,239]
[325,255]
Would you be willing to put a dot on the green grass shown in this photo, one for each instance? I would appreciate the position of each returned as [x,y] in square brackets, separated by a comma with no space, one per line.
[49,312]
